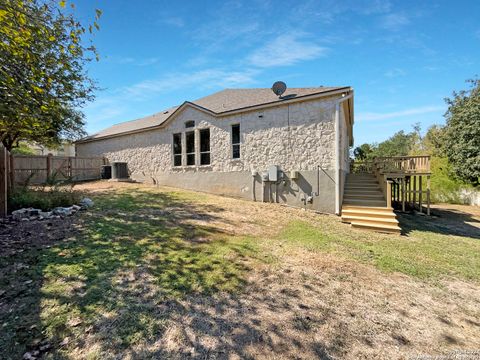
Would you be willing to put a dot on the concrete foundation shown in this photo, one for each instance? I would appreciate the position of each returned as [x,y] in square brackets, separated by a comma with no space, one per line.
[318,184]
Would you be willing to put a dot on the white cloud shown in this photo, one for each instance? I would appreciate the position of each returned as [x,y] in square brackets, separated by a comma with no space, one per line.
[397,72]
[285,50]
[208,78]
[371,116]
[394,21]
[128,60]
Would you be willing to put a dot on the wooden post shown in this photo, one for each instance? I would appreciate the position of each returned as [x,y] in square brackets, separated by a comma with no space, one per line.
[3,181]
[49,166]
[69,168]
[420,194]
[414,191]
[11,172]
[409,191]
[389,193]
[403,194]
[428,195]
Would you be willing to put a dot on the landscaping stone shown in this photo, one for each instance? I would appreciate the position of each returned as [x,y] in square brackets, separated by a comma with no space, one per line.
[31,214]
[86,202]
[25,213]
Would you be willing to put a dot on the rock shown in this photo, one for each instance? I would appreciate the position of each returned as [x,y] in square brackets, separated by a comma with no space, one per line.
[28,356]
[27,214]
[76,207]
[63,211]
[45,214]
[86,202]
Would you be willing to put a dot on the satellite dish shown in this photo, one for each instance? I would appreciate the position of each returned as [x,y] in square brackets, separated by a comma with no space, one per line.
[279,88]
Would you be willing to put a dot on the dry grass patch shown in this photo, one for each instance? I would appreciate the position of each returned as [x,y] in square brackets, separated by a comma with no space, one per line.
[163,273]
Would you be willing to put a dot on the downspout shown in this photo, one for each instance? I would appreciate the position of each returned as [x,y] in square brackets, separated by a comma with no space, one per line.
[337,151]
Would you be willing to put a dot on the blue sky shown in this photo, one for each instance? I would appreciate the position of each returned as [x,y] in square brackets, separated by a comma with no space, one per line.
[401,57]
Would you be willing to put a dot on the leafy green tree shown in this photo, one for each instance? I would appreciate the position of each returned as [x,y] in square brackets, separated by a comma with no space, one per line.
[23,149]
[462,133]
[399,144]
[434,141]
[43,78]
[363,151]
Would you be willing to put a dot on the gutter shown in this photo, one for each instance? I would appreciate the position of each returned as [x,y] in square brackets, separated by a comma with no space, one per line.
[337,151]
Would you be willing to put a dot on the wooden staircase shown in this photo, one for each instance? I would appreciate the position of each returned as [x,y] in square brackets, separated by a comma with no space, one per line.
[365,207]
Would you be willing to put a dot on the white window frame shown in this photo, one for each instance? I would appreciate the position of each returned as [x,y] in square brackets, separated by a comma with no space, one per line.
[200,146]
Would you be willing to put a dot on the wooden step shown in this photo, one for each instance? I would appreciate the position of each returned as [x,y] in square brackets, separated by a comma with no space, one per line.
[362,195]
[370,219]
[364,202]
[366,213]
[360,185]
[372,181]
[376,227]
[363,191]
[368,208]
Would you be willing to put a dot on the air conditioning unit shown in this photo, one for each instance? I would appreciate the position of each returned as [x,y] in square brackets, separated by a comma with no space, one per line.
[119,170]
[106,172]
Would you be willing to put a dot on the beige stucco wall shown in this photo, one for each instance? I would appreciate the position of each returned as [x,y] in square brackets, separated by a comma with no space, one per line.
[297,137]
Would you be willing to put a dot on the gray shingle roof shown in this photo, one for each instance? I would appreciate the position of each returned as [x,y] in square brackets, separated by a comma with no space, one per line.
[219,102]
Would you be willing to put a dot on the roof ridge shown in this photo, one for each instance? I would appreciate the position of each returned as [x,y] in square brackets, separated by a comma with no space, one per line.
[146,116]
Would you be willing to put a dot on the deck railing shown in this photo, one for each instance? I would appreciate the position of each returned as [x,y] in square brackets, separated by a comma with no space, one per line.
[399,177]
[404,164]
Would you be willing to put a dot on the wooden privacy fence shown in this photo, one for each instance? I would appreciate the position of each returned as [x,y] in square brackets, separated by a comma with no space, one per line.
[37,169]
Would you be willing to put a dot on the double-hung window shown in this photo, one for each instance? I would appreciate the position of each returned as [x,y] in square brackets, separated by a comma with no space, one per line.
[190,147]
[205,147]
[236,141]
[177,149]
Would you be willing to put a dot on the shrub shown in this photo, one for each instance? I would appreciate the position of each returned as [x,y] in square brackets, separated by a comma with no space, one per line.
[445,187]
[45,198]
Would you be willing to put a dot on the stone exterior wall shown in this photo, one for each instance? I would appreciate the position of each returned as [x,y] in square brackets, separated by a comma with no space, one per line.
[297,136]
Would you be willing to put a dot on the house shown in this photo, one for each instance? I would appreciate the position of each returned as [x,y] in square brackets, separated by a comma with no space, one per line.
[250,143]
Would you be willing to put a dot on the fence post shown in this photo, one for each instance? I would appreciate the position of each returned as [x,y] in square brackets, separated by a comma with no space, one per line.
[49,165]
[11,170]
[70,172]
[3,181]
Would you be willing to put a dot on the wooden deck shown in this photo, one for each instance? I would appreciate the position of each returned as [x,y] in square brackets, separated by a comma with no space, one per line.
[374,188]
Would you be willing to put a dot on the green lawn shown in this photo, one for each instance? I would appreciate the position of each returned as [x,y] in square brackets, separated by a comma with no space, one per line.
[423,254]
[139,250]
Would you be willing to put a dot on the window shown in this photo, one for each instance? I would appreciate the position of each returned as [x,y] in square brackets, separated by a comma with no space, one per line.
[190,145]
[205,147]
[236,141]
[177,149]
[189,124]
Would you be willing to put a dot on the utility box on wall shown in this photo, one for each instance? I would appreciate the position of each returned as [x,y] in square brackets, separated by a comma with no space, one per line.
[273,173]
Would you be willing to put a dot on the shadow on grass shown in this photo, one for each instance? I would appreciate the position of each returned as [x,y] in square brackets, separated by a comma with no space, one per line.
[141,260]
[442,221]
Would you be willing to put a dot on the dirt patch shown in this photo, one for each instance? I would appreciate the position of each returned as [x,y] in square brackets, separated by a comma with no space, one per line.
[16,236]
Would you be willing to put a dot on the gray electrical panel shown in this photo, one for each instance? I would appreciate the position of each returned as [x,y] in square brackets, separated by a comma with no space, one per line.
[273,173]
